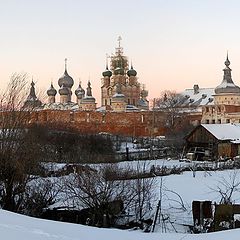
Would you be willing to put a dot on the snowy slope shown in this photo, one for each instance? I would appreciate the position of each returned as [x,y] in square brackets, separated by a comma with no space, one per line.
[17,227]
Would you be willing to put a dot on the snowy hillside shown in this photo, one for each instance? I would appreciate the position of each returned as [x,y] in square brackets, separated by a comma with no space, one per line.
[15,227]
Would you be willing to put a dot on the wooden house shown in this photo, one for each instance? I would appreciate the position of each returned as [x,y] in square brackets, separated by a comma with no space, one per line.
[215,140]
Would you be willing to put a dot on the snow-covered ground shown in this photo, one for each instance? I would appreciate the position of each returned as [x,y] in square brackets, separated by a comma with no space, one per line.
[15,227]
[178,192]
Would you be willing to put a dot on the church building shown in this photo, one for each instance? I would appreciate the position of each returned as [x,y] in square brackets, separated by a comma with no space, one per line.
[120,89]
[226,107]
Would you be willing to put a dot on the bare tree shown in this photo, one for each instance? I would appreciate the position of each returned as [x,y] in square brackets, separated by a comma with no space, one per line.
[143,192]
[40,193]
[176,118]
[17,148]
[170,103]
[90,189]
[227,186]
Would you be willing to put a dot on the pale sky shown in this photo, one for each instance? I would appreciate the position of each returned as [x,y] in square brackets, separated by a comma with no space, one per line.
[173,44]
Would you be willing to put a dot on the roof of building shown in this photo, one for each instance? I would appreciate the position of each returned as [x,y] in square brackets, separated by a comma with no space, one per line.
[60,106]
[198,96]
[228,131]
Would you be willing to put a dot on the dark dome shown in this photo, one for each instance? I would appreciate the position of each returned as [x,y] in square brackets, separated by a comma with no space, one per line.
[79,91]
[132,72]
[51,91]
[65,80]
[118,71]
[63,90]
[107,73]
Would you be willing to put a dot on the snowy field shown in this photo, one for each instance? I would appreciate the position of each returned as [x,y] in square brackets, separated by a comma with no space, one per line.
[15,227]
[178,192]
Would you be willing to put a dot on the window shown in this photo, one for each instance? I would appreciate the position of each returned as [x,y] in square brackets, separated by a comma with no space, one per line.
[105,102]
[207,121]
[71,116]
[219,121]
[103,118]
[227,120]
[213,121]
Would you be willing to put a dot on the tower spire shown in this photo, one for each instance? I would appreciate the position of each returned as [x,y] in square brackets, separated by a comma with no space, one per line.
[119,41]
[227,85]
[106,61]
[119,49]
[65,60]
[227,62]
[89,89]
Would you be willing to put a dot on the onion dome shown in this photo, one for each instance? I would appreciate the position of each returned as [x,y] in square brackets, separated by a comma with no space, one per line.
[119,71]
[79,90]
[107,72]
[227,85]
[63,90]
[51,91]
[65,80]
[144,93]
[132,72]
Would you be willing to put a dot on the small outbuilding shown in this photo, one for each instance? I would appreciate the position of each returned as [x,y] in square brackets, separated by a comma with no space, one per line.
[215,141]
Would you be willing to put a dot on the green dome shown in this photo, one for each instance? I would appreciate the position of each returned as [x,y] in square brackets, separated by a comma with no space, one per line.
[107,73]
[132,72]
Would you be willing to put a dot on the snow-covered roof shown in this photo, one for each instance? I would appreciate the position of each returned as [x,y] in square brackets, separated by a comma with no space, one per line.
[61,106]
[131,108]
[228,131]
[101,109]
[199,97]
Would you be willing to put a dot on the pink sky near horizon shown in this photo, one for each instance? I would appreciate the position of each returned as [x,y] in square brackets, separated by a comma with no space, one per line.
[173,44]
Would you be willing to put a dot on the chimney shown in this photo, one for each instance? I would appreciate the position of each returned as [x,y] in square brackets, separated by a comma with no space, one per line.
[196,89]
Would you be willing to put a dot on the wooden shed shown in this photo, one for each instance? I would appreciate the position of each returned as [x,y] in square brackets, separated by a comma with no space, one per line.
[220,140]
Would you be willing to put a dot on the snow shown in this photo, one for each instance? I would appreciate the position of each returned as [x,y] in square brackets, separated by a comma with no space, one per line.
[201,98]
[14,227]
[60,106]
[226,131]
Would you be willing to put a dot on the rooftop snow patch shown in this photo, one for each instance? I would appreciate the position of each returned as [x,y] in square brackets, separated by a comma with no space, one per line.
[228,131]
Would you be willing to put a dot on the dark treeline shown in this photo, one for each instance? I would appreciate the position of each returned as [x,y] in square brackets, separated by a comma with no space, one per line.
[70,147]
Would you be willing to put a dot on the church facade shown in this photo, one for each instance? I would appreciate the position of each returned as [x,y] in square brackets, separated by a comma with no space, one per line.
[124,108]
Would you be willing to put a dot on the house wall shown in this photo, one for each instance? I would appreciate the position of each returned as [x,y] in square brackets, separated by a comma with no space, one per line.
[200,137]
[225,150]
